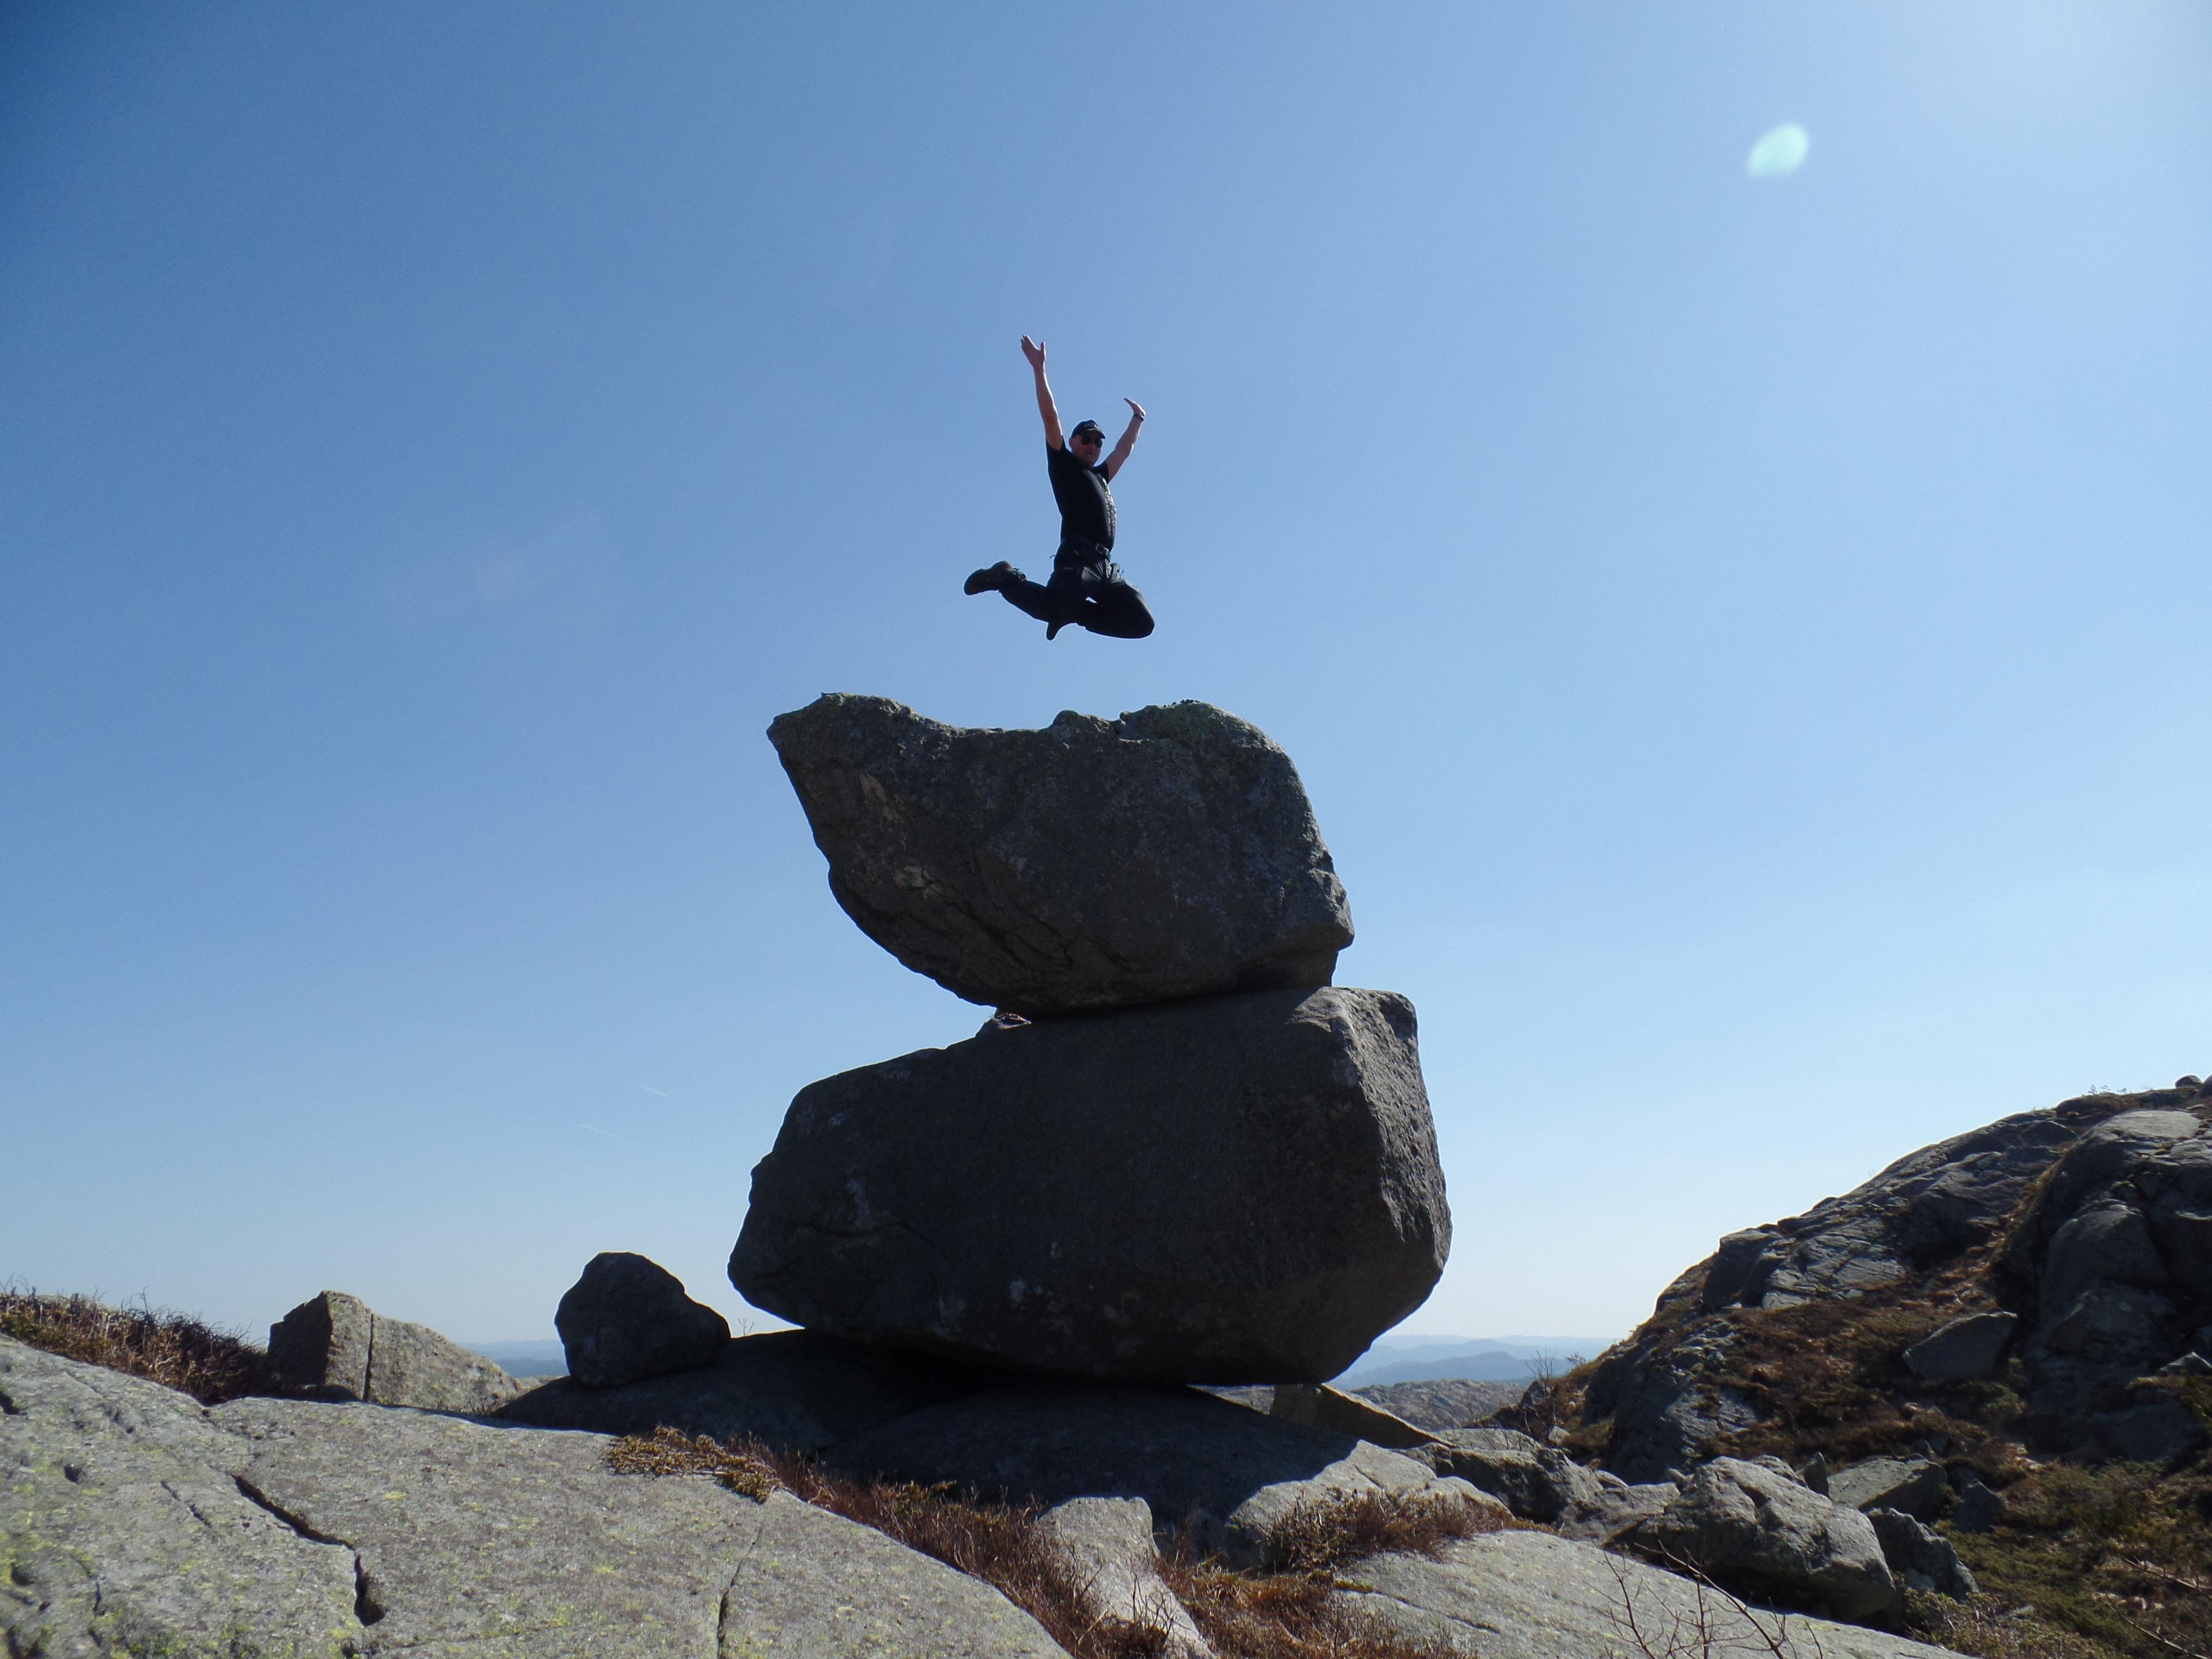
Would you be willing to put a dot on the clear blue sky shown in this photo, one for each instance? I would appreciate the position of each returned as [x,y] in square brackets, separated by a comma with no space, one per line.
[1746,638]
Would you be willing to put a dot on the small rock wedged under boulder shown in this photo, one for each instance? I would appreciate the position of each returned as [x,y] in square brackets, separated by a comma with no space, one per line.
[334,1346]
[1236,1189]
[1346,1413]
[1094,863]
[795,1391]
[1760,1532]
[1529,1596]
[628,1318]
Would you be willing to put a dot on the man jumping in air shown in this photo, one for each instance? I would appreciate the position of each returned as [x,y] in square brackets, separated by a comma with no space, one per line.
[1086,586]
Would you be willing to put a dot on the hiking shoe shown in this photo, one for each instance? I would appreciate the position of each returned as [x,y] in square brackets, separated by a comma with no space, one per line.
[997,576]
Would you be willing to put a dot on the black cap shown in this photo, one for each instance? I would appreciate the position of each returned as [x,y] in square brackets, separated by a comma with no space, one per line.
[1082,427]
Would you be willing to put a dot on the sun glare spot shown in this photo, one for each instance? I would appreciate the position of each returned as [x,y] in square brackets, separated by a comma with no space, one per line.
[1779,152]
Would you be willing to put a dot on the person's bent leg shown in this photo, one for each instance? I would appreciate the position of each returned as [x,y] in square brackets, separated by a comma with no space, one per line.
[1116,610]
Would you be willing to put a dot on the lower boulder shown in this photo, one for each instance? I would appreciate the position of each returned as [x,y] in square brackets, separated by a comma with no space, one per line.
[1239,1189]
[1757,1529]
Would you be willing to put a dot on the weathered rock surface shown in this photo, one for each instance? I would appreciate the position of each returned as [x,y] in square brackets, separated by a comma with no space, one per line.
[1910,1484]
[1106,1546]
[628,1318]
[1182,1451]
[1757,1530]
[1964,1349]
[333,1347]
[131,1520]
[1530,1595]
[795,1390]
[1239,1189]
[1921,1558]
[1536,1482]
[124,1529]
[1093,864]
[2117,1251]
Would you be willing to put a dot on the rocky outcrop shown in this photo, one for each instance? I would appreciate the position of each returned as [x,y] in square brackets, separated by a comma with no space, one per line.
[1238,1189]
[628,1318]
[136,1520]
[1756,1529]
[2062,1237]
[333,1347]
[1094,863]
[1531,1595]
[2117,1252]
[1924,1208]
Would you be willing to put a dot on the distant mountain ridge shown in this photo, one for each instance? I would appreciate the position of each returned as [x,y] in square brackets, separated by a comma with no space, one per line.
[1472,1358]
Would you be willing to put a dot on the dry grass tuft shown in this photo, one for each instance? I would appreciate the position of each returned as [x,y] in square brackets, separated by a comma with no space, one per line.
[209,1364]
[670,1451]
[1320,1537]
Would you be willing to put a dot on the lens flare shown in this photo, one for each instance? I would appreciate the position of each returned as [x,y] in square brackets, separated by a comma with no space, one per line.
[1779,153]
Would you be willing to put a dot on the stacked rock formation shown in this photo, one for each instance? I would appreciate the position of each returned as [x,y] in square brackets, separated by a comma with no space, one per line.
[1191,1158]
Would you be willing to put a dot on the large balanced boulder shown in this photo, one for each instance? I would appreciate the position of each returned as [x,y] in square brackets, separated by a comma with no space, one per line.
[1239,1189]
[1093,864]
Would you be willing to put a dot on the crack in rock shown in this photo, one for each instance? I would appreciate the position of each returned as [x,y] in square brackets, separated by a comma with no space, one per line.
[366,1606]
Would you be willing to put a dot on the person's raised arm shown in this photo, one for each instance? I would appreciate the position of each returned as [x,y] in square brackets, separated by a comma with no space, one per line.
[1033,350]
[1128,437]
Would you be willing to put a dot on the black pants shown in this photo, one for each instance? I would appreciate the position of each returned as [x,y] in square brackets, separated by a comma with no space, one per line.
[1087,589]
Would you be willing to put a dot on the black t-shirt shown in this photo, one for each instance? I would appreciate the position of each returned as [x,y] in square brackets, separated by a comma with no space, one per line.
[1086,505]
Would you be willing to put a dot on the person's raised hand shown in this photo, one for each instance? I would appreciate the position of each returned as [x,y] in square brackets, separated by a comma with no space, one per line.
[1135,408]
[1033,350]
